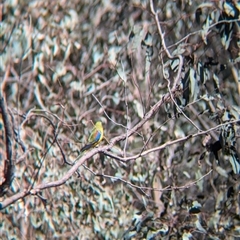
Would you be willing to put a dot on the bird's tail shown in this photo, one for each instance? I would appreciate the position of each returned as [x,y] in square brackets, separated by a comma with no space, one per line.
[86,147]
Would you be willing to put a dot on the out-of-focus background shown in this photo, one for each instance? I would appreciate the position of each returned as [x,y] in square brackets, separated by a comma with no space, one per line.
[66,64]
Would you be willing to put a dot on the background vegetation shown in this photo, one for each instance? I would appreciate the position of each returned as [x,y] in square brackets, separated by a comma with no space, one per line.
[163,77]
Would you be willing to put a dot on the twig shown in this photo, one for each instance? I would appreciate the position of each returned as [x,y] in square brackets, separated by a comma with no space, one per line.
[178,77]
[119,179]
[167,144]
[168,188]
[8,163]
[118,124]
[161,33]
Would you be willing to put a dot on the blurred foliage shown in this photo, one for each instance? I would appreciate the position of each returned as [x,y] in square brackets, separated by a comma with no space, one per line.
[59,57]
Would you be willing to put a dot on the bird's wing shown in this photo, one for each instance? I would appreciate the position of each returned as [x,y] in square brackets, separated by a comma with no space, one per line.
[95,136]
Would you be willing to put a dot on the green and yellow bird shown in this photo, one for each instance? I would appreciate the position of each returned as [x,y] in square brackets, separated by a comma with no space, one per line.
[95,137]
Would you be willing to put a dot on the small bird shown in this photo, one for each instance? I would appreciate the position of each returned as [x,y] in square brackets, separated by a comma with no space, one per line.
[95,137]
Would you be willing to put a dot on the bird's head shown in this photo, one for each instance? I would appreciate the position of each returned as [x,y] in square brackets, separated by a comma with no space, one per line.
[98,124]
